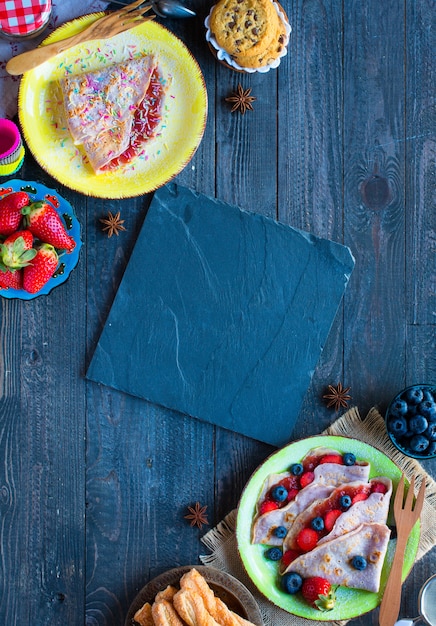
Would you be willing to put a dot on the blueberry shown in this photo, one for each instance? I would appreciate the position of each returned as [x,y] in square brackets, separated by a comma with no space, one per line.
[427,395]
[414,395]
[411,411]
[292,582]
[419,443]
[274,554]
[345,502]
[430,433]
[297,469]
[279,493]
[349,458]
[418,424]
[359,562]
[317,523]
[398,407]
[280,532]
[397,425]
[431,448]
[427,408]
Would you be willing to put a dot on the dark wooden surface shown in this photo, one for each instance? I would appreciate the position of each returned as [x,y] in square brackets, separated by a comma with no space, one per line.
[94,484]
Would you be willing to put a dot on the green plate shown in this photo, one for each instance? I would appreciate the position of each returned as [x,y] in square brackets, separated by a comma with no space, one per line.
[264,573]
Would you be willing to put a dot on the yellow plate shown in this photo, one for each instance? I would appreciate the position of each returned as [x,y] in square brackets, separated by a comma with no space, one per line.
[182,127]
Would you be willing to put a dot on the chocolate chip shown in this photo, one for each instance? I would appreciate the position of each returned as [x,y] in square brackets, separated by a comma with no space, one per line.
[231,25]
[255,31]
[248,24]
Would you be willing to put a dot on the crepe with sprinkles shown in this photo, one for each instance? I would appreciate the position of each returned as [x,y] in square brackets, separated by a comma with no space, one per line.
[100,107]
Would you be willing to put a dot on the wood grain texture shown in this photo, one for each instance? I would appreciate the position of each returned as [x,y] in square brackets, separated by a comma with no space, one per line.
[95,484]
[374,162]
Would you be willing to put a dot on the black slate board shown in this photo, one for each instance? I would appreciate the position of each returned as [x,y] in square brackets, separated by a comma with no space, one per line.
[221,314]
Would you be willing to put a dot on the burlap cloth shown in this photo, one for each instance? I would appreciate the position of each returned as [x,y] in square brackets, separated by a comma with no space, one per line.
[221,540]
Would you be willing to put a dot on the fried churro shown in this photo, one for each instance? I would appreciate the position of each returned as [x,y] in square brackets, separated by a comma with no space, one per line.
[164,614]
[143,616]
[194,604]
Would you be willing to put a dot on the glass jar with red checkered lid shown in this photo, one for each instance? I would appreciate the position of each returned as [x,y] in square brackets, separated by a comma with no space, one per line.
[23,19]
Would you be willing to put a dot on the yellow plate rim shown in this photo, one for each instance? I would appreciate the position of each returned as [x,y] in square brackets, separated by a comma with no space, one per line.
[150,182]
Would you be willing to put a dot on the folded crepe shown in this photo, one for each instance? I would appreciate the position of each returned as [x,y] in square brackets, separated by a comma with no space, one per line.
[333,559]
[100,106]
[147,121]
[327,477]
[374,509]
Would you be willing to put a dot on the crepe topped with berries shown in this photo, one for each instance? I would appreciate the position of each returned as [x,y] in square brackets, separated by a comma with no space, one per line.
[354,559]
[313,479]
[346,508]
[100,107]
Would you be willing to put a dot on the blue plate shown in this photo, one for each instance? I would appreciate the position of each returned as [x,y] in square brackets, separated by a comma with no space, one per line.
[67,262]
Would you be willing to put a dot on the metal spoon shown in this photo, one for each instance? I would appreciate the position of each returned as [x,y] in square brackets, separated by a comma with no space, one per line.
[426,605]
[165,8]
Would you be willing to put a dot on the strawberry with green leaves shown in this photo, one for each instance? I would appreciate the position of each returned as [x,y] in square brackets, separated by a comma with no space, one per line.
[46,225]
[319,593]
[17,250]
[10,211]
[43,266]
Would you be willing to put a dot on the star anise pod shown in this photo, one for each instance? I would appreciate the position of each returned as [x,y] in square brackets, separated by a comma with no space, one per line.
[197,515]
[113,224]
[337,396]
[241,100]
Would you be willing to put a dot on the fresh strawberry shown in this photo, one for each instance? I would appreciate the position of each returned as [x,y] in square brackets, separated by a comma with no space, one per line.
[10,211]
[289,556]
[307,539]
[306,479]
[332,458]
[319,593]
[378,488]
[45,223]
[292,493]
[11,278]
[268,505]
[359,497]
[35,276]
[17,251]
[330,518]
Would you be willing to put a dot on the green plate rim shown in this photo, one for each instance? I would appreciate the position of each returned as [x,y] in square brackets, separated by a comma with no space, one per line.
[350,603]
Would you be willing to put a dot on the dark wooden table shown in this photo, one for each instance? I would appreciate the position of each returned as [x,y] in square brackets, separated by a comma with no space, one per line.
[95,484]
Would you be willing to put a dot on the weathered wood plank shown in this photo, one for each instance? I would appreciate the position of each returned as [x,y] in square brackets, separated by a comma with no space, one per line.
[310,168]
[43,417]
[420,171]
[374,163]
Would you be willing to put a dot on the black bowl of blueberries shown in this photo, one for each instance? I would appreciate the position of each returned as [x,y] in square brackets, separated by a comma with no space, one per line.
[411,421]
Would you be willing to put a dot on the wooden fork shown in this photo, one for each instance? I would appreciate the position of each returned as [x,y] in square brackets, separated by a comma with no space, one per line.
[406,517]
[105,27]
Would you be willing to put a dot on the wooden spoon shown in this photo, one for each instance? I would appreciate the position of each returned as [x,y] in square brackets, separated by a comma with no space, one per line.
[103,28]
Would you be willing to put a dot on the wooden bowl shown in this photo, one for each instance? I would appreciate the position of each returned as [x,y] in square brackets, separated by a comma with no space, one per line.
[227,587]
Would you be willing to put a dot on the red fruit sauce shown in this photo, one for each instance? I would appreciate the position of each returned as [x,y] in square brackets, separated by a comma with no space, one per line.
[147,118]
[293,484]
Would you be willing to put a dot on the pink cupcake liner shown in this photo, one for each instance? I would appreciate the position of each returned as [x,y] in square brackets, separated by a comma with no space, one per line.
[10,142]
